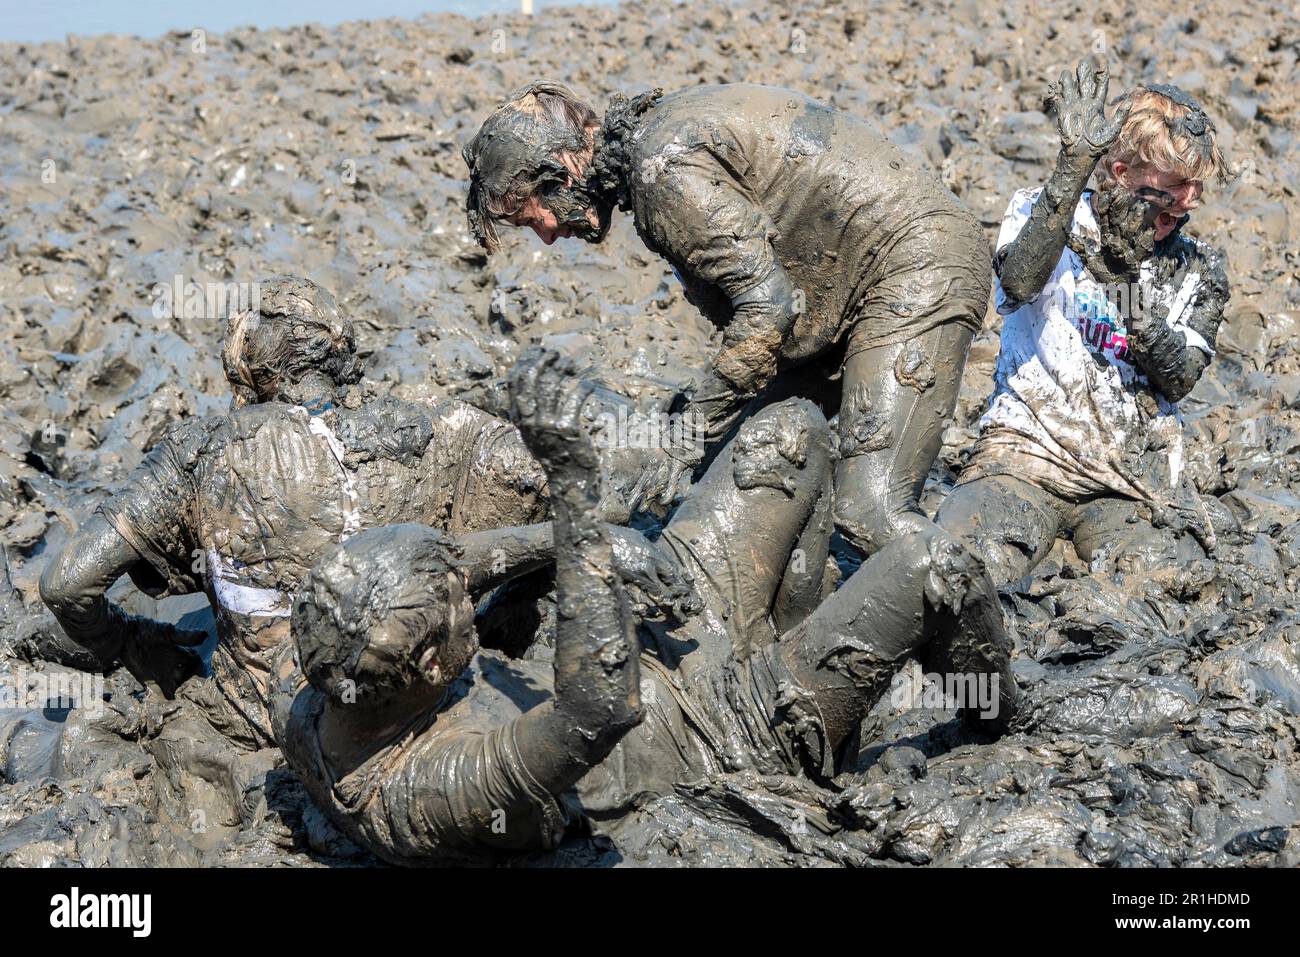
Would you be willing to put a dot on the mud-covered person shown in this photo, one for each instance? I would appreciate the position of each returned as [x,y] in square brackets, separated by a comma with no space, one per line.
[1111,313]
[423,748]
[835,267]
[240,505]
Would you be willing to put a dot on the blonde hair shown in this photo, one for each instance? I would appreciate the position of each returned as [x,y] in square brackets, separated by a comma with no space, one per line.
[1156,135]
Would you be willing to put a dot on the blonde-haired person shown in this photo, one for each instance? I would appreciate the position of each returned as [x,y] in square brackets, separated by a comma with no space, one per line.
[1111,313]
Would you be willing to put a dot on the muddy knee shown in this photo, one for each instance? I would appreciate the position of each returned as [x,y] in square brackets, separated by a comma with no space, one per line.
[872,517]
[785,446]
[965,635]
[1007,523]
[878,480]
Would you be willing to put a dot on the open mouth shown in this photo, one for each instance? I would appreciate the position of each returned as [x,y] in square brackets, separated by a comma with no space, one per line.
[1165,222]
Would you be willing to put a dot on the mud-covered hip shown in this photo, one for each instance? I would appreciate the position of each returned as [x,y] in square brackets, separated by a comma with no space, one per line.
[939,271]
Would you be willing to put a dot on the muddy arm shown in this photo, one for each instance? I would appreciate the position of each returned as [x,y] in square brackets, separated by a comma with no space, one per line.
[597,677]
[751,344]
[723,241]
[74,582]
[1025,264]
[495,557]
[1171,363]
[73,587]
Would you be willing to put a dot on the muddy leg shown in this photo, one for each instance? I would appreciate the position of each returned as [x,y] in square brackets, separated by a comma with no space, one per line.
[805,582]
[1115,535]
[754,529]
[1010,524]
[897,400]
[923,586]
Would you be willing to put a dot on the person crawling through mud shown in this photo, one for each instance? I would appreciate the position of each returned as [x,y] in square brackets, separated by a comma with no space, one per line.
[423,747]
[835,267]
[240,505]
[1111,317]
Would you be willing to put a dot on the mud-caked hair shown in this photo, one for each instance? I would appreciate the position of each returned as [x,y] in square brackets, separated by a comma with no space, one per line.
[293,328]
[541,135]
[386,591]
[1167,130]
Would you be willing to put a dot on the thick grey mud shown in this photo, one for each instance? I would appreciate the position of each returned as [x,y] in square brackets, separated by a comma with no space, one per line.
[1158,718]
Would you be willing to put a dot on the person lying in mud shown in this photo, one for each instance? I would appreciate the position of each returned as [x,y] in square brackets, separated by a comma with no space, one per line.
[422,747]
[1111,317]
[822,251]
[240,505]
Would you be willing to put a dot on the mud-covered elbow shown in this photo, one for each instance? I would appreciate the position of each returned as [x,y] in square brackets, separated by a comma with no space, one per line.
[57,591]
[610,722]
[1176,391]
[603,720]
[1015,288]
[1178,386]
[77,606]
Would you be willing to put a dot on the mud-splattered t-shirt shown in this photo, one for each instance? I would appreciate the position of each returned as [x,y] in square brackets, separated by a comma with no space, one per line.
[731,182]
[454,787]
[241,505]
[1070,410]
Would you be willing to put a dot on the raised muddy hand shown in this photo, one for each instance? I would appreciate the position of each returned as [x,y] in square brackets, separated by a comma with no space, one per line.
[546,399]
[1079,101]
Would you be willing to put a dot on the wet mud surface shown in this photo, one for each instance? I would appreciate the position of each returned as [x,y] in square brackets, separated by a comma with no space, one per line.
[1161,691]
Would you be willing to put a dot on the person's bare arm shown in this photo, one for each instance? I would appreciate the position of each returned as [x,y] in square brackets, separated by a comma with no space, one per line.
[73,586]
[1025,264]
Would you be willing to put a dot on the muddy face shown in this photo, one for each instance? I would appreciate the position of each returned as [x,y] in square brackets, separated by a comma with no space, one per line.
[432,639]
[384,614]
[1171,198]
[561,212]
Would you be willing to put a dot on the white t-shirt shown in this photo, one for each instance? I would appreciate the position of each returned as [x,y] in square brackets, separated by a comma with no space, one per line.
[1070,411]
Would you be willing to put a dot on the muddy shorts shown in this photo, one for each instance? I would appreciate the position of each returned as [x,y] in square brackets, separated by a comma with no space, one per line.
[937,271]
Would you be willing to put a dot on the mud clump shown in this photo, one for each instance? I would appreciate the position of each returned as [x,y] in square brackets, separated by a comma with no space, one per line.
[146,183]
